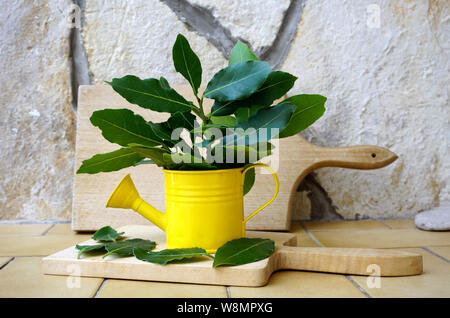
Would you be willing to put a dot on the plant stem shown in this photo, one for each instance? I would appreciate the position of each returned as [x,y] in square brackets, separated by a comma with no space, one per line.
[112,251]
[201,112]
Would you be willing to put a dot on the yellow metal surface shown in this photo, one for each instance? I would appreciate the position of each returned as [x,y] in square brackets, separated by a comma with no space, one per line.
[203,208]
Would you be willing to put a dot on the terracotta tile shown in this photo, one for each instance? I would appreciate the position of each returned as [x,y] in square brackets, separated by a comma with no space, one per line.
[443,251]
[399,224]
[382,238]
[303,239]
[294,284]
[433,282]
[4,260]
[23,278]
[24,229]
[344,225]
[130,288]
[14,245]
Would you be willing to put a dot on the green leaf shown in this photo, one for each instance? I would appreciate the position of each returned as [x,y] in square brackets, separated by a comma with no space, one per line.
[164,83]
[111,161]
[228,108]
[186,62]
[243,251]
[308,108]
[145,162]
[204,143]
[90,248]
[125,248]
[182,120]
[244,154]
[275,86]
[184,161]
[204,127]
[155,154]
[227,121]
[186,121]
[123,127]
[169,255]
[219,122]
[259,126]
[107,234]
[209,133]
[270,117]
[241,53]
[150,93]
[162,130]
[249,180]
[242,114]
[237,81]
[177,120]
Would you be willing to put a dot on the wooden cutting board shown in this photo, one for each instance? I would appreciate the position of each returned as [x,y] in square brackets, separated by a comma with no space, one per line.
[90,192]
[286,256]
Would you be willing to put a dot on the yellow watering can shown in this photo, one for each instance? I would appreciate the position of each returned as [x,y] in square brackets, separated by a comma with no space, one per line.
[203,208]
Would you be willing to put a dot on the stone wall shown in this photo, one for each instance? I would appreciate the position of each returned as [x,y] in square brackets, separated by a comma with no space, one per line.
[36,115]
[384,66]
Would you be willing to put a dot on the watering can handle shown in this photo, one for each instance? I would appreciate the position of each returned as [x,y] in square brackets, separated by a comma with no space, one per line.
[277,186]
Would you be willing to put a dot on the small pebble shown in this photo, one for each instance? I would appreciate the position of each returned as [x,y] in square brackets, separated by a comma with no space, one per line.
[436,219]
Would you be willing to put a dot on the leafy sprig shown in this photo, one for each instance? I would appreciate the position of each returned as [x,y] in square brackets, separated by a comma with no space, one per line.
[235,252]
[109,241]
[245,95]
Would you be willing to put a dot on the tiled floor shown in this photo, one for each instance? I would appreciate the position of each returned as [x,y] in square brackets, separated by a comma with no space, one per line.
[23,246]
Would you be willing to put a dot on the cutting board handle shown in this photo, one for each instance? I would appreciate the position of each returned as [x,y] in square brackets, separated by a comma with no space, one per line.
[354,157]
[355,261]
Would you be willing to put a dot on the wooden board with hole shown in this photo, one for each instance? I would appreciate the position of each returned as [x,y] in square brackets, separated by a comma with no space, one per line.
[200,271]
[293,159]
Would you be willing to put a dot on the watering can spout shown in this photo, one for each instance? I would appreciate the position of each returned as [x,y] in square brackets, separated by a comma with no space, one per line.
[125,196]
